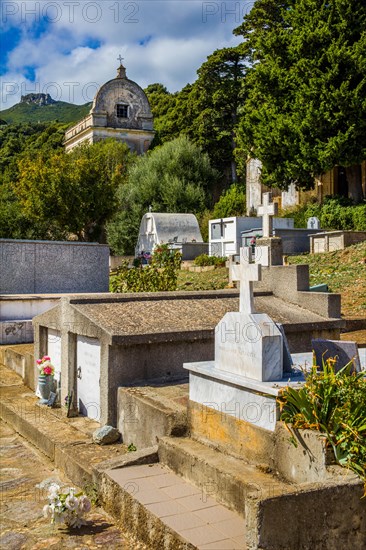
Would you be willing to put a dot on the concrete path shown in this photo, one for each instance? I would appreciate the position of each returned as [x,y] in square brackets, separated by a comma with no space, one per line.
[192,514]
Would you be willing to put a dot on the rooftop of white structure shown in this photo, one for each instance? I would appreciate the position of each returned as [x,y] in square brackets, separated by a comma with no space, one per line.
[177,227]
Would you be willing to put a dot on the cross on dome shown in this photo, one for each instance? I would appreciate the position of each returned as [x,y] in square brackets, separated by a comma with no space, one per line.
[246,273]
[120,58]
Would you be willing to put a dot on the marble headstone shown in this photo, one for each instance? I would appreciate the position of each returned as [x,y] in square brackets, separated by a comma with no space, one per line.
[313,223]
[247,343]
[343,352]
[267,210]
[287,359]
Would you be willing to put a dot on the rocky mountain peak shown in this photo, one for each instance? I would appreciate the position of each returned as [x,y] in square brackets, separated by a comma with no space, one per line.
[37,99]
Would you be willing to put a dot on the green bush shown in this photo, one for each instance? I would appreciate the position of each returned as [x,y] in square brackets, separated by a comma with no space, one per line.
[359,217]
[160,275]
[333,403]
[335,213]
[204,260]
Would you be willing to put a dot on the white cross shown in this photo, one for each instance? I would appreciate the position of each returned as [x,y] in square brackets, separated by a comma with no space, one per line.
[267,210]
[246,273]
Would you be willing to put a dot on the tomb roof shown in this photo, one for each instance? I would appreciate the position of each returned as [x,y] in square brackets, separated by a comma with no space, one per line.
[171,316]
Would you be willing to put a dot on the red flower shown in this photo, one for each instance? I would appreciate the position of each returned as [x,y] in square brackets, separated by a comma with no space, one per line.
[47,370]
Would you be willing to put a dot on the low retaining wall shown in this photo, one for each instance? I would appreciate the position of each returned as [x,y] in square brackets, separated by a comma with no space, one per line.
[43,267]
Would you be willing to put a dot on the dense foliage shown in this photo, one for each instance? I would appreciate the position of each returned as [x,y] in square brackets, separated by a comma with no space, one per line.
[333,213]
[206,111]
[333,403]
[160,275]
[17,142]
[305,110]
[174,177]
[60,111]
[73,193]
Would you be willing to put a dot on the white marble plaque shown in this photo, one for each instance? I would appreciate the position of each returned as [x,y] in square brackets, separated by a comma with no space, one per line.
[54,350]
[88,375]
[250,345]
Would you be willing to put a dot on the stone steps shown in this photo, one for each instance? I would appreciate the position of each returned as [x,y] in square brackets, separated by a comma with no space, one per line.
[230,480]
[166,512]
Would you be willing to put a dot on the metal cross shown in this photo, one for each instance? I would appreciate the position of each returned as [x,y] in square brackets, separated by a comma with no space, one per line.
[267,210]
[120,58]
[246,273]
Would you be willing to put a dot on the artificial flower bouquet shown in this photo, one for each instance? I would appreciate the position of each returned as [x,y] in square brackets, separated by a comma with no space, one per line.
[45,367]
[66,507]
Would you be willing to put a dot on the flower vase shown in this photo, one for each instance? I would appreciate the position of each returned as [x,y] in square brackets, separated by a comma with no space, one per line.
[45,385]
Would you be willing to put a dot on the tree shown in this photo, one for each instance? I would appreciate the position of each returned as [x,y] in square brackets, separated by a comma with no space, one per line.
[73,192]
[18,141]
[306,108]
[175,177]
[215,98]
[206,111]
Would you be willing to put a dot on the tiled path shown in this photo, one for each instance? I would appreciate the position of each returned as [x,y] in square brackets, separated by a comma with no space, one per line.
[187,510]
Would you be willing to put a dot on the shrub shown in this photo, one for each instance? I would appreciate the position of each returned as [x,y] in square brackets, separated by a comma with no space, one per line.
[204,260]
[335,213]
[359,217]
[159,276]
[333,403]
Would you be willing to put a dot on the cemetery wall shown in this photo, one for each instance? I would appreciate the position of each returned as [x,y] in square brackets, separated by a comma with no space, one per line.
[46,267]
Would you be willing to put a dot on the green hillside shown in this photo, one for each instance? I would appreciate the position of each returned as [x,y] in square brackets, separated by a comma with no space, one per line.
[59,110]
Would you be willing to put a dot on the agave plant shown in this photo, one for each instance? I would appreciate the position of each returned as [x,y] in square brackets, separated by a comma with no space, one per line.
[333,403]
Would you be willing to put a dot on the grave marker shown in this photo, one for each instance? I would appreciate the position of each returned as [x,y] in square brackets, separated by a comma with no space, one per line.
[342,351]
[267,210]
[313,223]
[246,273]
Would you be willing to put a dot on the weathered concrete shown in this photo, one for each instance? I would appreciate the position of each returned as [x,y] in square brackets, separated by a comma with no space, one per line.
[230,435]
[148,337]
[41,267]
[25,478]
[335,240]
[306,463]
[145,414]
[325,518]
[223,477]
[318,510]
[278,515]
[291,283]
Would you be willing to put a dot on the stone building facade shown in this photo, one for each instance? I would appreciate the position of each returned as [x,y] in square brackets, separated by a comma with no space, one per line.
[120,110]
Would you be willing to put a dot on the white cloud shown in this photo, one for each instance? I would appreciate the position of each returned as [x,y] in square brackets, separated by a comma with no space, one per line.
[161,41]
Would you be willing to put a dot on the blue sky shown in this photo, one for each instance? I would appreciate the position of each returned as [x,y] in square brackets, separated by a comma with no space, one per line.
[69,47]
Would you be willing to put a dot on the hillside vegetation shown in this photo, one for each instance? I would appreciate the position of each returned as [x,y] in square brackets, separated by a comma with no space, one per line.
[60,111]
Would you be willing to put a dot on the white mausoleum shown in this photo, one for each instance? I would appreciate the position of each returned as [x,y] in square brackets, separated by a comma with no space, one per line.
[175,229]
[121,111]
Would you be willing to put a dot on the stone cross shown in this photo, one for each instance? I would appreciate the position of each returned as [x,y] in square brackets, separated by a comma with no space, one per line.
[267,210]
[120,58]
[246,273]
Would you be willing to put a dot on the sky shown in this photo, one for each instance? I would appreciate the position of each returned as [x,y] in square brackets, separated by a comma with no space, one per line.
[68,48]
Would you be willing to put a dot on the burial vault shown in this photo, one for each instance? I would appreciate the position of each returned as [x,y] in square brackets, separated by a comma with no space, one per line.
[102,342]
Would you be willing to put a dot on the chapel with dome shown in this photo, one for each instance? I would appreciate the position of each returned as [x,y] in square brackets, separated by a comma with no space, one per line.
[121,111]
